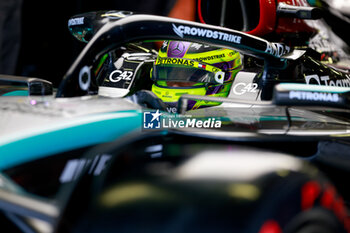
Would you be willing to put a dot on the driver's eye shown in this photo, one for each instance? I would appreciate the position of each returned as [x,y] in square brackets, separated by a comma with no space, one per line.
[180,84]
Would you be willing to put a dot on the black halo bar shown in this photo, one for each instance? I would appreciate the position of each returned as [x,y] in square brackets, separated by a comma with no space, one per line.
[148,27]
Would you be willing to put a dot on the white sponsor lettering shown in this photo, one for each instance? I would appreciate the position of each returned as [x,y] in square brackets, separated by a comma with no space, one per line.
[314,96]
[277,49]
[242,88]
[182,30]
[76,21]
[118,75]
[325,80]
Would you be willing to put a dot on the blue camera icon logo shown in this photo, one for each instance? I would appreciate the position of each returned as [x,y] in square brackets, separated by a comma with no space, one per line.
[152,119]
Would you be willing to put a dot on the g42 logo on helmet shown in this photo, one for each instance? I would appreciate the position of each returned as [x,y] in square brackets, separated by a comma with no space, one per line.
[118,75]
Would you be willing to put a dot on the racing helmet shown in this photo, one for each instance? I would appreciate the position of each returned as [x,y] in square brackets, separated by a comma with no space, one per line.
[195,69]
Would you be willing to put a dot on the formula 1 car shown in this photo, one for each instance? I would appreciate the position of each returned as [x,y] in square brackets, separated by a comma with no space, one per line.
[75,160]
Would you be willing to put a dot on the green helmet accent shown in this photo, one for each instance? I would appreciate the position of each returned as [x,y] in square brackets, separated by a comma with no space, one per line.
[195,69]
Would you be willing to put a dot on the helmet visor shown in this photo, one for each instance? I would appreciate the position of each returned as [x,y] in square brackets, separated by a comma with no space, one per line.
[184,70]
